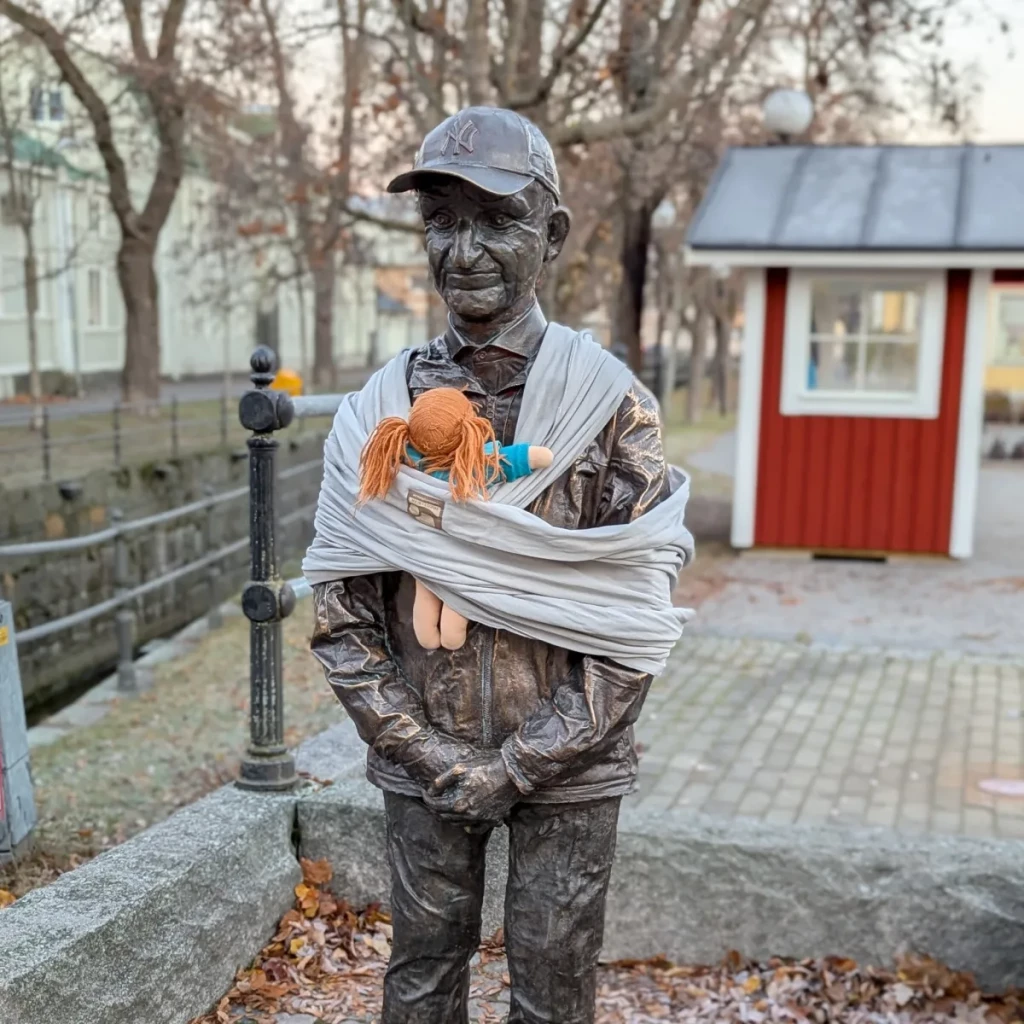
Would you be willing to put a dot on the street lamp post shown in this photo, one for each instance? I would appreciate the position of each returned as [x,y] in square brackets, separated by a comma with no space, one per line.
[267,600]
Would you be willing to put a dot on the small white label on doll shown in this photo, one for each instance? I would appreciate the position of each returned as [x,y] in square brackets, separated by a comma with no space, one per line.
[426,509]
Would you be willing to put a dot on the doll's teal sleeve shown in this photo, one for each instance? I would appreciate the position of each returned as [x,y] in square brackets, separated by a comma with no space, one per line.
[515,460]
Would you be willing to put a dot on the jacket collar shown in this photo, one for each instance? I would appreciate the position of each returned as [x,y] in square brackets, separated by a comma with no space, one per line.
[521,338]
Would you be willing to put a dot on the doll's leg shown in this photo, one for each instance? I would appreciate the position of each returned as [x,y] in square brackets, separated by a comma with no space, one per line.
[426,617]
[453,628]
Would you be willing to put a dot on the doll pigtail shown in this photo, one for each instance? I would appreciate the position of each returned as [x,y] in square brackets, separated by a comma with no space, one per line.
[382,456]
[472,467]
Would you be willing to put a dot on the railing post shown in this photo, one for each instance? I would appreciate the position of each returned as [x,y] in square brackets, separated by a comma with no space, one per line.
[266,600]
[214,620]
[124,620]
[117,435]
[44,435]
[174,427]
[167,598]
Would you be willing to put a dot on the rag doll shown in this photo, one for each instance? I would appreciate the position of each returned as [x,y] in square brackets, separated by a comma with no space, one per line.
[446,438]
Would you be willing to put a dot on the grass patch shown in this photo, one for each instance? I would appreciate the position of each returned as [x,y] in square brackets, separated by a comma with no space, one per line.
[157,752]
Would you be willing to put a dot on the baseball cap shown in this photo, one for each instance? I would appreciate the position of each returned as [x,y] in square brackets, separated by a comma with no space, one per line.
[497,150]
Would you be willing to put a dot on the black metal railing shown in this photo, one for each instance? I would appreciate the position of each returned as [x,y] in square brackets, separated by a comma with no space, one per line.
[268,600]
[128,591]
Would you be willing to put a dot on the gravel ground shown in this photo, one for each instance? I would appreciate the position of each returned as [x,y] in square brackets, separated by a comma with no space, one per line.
[326,963]
[163,749]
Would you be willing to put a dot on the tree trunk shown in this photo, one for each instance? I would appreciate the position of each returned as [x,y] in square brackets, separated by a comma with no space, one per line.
[478,55]
[35,386]
[636,237]
[226,345]
[140,379]
[300,291]
[324,373]
[698,352]
[670,353]
[723,332]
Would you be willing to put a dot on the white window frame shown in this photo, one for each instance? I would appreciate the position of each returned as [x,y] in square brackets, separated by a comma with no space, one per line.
[997,291]
[798,400]
[48,88]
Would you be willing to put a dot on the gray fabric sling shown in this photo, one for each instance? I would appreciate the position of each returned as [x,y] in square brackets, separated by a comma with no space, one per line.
[604,591]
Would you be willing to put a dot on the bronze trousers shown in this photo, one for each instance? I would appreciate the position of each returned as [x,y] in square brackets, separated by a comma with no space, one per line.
[560,858]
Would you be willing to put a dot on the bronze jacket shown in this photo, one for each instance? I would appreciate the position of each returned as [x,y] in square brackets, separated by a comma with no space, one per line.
[562,720]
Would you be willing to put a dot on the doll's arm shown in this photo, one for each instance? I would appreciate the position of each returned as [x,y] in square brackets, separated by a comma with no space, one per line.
[518,460]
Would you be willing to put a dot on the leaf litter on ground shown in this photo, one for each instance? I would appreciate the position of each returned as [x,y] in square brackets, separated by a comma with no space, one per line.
[328,960]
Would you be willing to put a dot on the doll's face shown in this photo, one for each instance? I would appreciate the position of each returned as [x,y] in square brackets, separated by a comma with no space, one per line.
[486,252]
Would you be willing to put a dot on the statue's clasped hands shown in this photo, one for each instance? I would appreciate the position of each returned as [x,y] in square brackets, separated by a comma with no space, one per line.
[476,791]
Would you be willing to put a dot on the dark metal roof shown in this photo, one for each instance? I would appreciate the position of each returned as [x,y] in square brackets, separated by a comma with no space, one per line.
[904,198]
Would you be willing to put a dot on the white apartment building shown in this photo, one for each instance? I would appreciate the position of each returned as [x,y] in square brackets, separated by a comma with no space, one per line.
[215,303]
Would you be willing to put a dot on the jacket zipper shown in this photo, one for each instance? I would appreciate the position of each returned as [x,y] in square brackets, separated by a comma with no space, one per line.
[487,689]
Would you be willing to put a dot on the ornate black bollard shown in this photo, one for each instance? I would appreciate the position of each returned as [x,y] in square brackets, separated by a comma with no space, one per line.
[266,599]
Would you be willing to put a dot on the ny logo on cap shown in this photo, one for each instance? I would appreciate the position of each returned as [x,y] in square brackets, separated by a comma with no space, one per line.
[459,135]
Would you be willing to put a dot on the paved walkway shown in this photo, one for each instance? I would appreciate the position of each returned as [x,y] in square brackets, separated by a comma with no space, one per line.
[850,693]
[789,733]
[975,605]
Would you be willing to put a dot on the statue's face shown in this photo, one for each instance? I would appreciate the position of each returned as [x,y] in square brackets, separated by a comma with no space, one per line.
[486,252]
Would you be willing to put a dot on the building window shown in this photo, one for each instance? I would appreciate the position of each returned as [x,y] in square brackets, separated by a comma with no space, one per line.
[12,287]
[94,298]
[46,103]
[1008,333]
[861,344]
[97,216]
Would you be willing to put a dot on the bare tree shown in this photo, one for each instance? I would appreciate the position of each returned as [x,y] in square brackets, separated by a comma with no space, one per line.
[644,88]
[28,168]
[154,70]
[312,164]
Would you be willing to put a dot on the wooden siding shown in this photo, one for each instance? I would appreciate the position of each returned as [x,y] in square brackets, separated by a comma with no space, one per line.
[847,483]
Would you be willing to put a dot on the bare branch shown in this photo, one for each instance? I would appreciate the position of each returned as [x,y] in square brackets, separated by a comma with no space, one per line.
[390,223]
[561,55]
[134,18]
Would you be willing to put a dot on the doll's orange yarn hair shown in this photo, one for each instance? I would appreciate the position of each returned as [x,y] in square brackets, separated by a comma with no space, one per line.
[445,429]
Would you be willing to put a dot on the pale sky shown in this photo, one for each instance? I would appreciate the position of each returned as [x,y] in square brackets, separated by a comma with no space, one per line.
[1000,61]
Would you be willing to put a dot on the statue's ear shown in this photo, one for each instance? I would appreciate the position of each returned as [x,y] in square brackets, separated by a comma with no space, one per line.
[558,230]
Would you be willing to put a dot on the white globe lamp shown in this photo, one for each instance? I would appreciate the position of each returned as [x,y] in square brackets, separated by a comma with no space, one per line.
[787,112]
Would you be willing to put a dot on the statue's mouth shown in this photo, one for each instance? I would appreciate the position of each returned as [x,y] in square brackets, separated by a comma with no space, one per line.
[473,281]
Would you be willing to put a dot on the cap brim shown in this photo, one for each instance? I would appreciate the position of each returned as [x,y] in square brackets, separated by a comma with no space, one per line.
[497,183]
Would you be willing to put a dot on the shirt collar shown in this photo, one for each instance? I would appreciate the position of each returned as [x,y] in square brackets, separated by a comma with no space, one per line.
[521,338]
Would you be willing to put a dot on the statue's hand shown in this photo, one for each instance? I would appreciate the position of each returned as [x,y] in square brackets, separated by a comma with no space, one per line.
[440,755]
[477,790]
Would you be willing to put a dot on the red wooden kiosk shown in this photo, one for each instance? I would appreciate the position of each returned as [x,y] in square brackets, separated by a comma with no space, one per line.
[868,272]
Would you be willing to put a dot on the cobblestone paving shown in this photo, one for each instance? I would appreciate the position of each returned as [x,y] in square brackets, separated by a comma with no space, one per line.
[792,733]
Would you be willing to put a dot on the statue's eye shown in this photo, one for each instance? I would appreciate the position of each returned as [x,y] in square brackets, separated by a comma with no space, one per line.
[441,219]
[500,220]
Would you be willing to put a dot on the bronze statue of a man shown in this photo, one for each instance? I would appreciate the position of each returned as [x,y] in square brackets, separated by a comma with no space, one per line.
[505,730]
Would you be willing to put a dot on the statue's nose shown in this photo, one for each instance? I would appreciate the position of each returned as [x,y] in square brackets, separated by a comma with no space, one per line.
[466,250]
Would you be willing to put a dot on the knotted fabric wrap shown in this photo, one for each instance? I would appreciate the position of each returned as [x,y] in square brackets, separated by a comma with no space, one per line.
[604,591]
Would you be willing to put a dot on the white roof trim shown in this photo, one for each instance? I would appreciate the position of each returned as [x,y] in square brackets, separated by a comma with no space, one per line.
[875,259]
